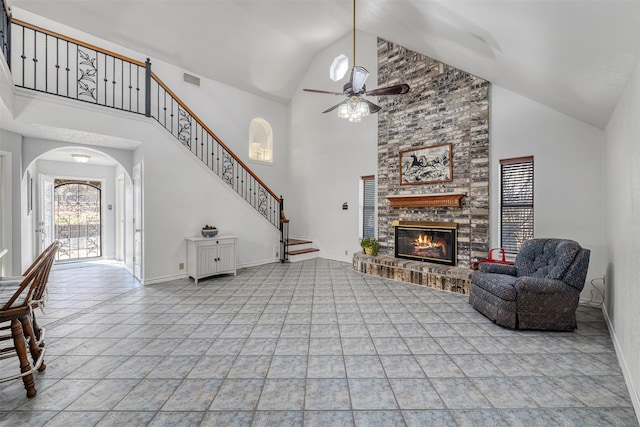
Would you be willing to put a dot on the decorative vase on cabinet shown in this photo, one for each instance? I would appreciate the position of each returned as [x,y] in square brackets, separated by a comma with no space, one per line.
[209,256]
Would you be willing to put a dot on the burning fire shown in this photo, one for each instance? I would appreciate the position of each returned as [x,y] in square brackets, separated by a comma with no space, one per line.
[424,241]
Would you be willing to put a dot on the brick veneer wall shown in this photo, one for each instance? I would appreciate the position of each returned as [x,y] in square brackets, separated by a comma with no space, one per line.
[445,105]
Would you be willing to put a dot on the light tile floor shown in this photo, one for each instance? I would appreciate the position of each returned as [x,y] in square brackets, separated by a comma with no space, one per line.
[311,343]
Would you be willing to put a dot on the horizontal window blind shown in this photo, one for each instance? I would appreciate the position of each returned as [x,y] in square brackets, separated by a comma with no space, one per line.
[369,207]
[516,202]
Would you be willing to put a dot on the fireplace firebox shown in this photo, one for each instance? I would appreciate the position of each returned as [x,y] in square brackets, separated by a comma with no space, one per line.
[427,241]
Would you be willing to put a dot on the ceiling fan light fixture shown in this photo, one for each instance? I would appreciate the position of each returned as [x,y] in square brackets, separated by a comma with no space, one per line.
[355,107]
[354,110]
[343,111]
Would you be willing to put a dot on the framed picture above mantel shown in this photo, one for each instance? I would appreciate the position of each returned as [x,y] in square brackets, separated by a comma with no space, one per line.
[426,165]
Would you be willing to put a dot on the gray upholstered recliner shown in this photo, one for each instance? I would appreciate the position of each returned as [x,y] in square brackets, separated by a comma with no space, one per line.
[541,291]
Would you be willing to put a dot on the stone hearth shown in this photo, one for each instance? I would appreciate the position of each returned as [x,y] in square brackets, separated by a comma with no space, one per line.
[446,278]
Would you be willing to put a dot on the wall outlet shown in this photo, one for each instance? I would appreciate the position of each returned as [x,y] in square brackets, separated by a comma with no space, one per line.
[346,252]
[181,266]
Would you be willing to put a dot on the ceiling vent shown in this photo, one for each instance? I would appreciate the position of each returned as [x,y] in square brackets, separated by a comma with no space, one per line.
[191,79]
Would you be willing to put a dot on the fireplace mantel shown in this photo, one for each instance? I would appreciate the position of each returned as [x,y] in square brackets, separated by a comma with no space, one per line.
[426,200]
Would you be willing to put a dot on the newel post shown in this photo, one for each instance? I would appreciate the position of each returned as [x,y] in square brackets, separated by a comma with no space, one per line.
[281,212]
[147,88]
[284,233]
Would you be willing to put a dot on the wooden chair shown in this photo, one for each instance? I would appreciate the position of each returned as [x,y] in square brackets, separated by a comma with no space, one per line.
[17,300]
[39,295]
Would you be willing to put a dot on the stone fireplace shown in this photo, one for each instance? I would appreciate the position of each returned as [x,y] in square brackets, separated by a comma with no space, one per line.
[426,241]
[445,106]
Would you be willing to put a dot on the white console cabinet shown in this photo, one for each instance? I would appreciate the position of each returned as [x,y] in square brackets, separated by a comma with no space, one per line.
[208,256]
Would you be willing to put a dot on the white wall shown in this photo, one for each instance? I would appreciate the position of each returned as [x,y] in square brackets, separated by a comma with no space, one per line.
[6,89]
[36,147]
[622,232]
[33,148]
[180,193]
[11,146]
[28,217]
[568,172]
[180,196]
[5,209]
[328,155]
[227,111]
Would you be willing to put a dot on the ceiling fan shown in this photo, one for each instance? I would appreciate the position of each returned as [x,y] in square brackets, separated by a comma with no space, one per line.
[355,106]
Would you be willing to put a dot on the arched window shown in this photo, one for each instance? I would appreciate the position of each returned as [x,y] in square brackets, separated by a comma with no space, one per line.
[260,141]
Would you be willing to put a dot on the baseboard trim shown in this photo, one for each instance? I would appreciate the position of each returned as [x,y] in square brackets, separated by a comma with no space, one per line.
[163,279]
[345,260]
[155,280]
[635,399]
[257,263]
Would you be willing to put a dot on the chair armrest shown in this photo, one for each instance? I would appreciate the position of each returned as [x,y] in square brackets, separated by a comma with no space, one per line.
[488,267]
[536,285]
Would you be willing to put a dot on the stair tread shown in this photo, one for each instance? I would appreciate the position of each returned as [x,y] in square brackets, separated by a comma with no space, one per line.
[298,242]
[303,251]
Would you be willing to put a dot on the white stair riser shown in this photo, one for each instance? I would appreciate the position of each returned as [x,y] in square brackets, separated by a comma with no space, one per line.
[304,257]
[300,247]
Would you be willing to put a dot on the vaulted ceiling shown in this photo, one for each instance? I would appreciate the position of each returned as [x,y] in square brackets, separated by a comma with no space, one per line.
[574,56]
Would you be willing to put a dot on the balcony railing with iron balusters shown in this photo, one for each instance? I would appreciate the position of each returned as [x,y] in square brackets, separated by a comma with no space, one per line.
[49,62]
[52,63]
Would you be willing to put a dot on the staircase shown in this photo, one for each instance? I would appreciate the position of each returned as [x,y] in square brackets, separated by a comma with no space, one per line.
[49,62]
[301,250]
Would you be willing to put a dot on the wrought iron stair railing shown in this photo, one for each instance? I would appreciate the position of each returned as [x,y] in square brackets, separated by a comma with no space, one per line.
[52,63]
[5,31]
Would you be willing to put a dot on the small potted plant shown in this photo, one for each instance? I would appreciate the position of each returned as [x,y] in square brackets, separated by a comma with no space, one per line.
[369,245]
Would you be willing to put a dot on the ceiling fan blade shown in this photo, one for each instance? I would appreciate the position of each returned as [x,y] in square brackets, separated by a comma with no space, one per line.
[389,90]
[358,77]
[373,108]
[322,91]
[335,106]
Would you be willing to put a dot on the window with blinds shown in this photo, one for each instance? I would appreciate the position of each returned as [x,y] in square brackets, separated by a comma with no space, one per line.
[516,202]
[368,206]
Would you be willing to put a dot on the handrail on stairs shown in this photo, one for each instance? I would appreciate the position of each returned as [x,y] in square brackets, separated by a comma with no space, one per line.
[46,61]
[206,129]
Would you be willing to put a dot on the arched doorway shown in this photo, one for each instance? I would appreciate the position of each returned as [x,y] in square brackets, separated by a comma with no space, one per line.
[108,170]
[77,219]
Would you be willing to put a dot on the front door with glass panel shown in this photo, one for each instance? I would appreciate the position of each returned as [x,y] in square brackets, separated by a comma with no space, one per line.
[77,219]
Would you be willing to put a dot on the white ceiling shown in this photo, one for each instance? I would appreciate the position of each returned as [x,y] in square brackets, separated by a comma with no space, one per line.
[64,155]
[574,56]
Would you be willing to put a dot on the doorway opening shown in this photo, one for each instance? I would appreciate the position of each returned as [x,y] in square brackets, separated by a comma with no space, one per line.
[77,219]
